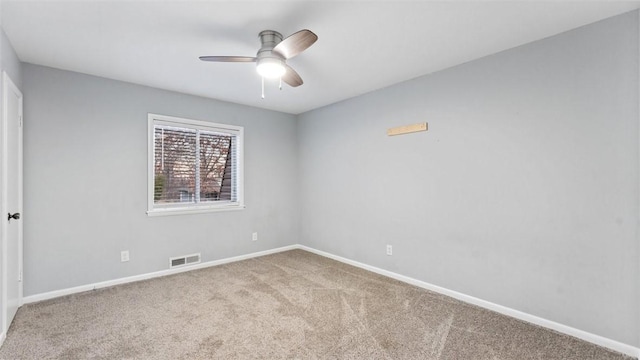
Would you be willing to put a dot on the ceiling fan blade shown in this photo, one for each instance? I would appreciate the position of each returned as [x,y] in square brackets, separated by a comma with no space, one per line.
[228,58]
[291,77]
[296,43]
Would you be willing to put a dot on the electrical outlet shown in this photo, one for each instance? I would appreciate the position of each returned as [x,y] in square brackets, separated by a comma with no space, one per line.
[389,250]
[124,256]
[254,236]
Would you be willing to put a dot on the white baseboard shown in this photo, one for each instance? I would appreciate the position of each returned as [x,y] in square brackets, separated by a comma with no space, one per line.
[580,334]
[3,337]
[130,279]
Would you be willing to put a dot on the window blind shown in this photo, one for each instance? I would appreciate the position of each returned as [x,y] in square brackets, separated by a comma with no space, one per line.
[174,170]
[193,166]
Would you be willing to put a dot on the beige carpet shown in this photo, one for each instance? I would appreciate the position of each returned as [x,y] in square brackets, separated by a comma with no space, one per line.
[291,305]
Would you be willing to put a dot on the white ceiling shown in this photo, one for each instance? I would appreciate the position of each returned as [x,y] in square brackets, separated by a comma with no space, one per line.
[362,46]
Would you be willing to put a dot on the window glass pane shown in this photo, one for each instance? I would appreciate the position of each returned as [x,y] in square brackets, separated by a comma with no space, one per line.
[215,166]
[174,165]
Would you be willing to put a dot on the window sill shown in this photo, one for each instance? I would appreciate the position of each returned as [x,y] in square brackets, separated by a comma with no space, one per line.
[197,210]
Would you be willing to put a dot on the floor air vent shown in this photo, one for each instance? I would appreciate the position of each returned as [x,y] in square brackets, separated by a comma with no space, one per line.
[184,260]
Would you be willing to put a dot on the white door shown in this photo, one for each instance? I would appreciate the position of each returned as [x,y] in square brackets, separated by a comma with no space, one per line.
[11,200]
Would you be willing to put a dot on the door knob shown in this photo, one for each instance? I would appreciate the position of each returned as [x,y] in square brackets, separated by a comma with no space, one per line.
[15,216]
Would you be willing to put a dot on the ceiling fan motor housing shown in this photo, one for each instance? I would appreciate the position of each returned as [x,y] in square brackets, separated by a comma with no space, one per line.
[269,39]
[266,57]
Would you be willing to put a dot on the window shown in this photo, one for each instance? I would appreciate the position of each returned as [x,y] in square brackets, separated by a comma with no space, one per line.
[194,166]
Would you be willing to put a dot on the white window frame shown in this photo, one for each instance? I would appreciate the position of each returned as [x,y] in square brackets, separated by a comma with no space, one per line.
[181,209]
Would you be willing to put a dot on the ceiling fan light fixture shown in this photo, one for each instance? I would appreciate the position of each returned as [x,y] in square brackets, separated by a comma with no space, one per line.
[271,68]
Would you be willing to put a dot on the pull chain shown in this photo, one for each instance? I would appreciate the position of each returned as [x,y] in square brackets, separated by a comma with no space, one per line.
[262,86]
[280,84]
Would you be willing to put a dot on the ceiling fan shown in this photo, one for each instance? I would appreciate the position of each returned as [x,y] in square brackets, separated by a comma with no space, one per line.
[271,59]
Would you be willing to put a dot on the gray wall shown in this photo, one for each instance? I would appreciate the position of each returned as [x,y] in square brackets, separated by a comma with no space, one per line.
[85,172]
[524,191]
[9,61]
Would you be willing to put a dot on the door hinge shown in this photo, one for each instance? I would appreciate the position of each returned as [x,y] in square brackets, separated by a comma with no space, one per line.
[20,120]
[20,276]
